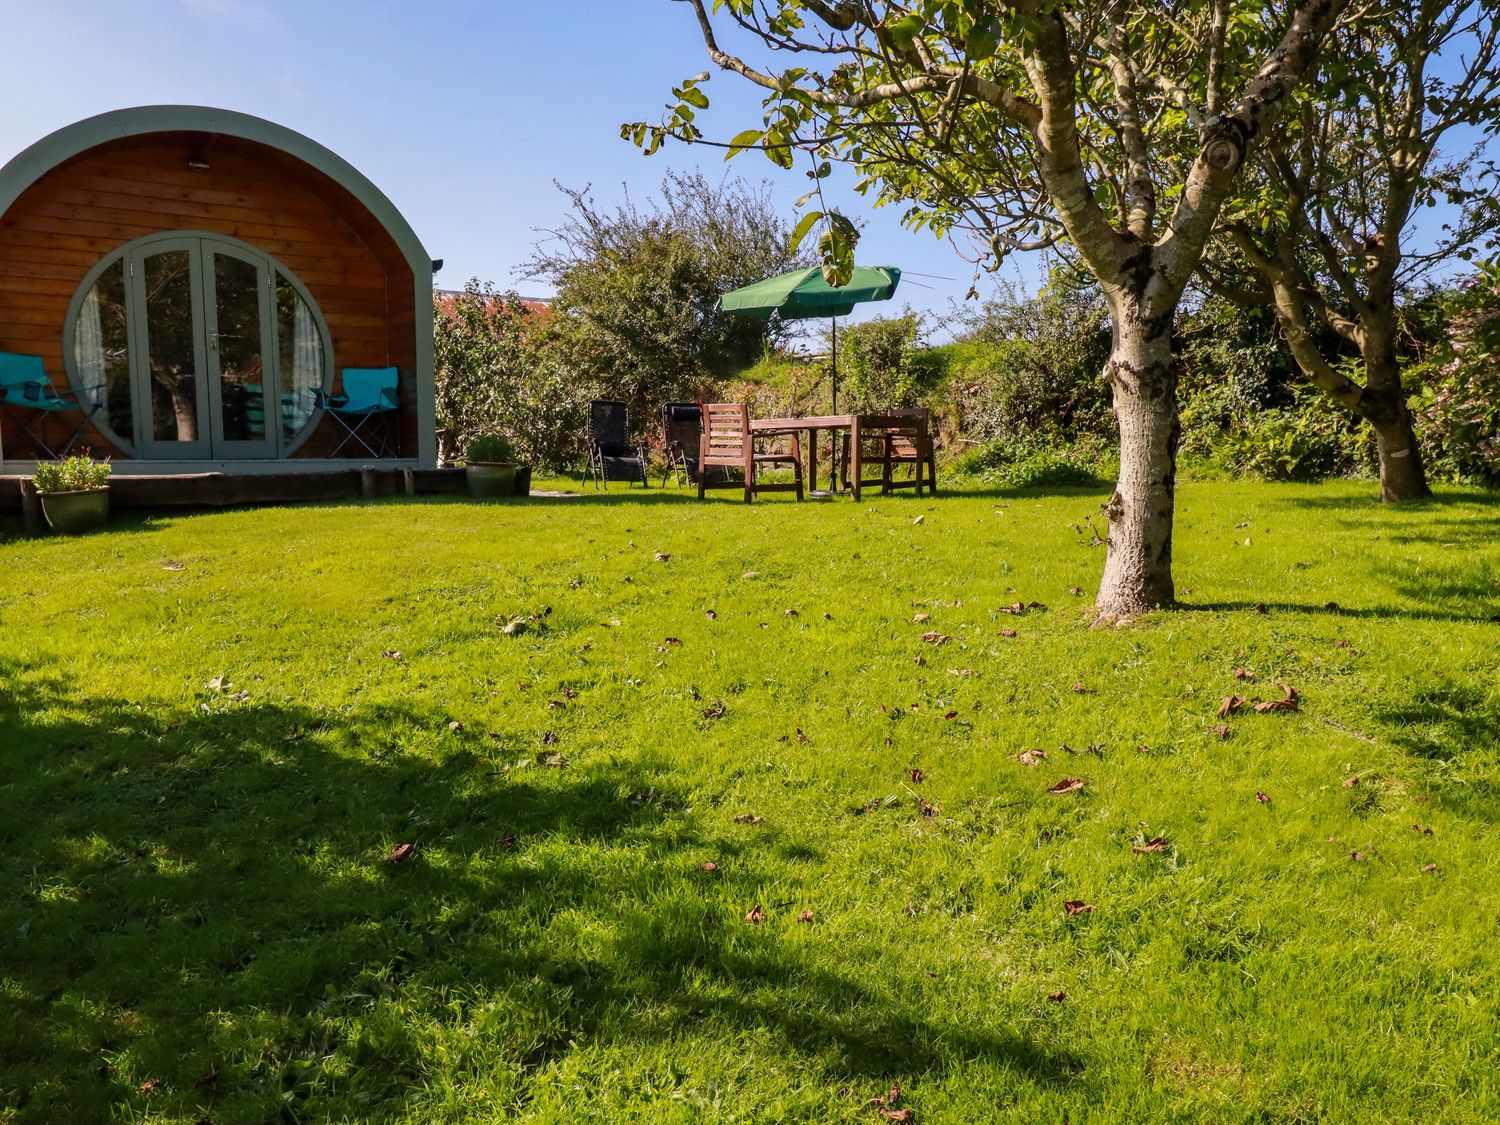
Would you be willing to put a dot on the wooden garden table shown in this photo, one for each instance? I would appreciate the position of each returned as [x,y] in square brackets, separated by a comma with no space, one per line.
[856,424]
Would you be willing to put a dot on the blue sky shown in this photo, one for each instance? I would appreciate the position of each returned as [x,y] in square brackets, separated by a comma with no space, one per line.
[464,113]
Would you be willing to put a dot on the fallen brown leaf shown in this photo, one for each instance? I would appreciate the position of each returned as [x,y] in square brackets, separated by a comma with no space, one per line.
[933,637]
[1420,830]
[1031,757]
[919,659]
[456,726]
[927,807]
[1016,608]
[392,654]
[805,917]
[800,736]
[401,853]
[507,842]
[710,866]
[1222,731]
[1077,906]
[1359,856]
[1262,798]
[1342,644]
[1080,689]
[1351,781]
[1288,702]
[1076,591]
[899,1115]
[756,916]
[662,556]
[749,818]
[917,619]
[1007,633]
[1428,868]
[1057,997]
[1259,607]
[1067,785]
[150,1084]
[717,711]
[950,715]
[1155,844]
[1230,705]
[710,614]
[915,774]
[1244,674]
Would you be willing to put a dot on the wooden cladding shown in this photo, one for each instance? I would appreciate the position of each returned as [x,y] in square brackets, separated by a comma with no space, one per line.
[115,193]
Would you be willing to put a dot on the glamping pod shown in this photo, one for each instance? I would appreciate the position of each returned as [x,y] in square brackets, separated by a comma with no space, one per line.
[205,291]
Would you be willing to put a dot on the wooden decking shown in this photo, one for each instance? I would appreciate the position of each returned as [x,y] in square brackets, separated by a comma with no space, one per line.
[216,490]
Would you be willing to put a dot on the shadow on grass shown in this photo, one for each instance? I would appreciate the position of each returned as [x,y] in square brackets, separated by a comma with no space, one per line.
[1329,609]
[201,916]
[1452,727]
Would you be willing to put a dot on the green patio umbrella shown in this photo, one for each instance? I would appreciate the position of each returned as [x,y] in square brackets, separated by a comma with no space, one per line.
[803,294]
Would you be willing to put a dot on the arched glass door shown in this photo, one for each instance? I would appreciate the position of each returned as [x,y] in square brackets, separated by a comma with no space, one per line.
[204,348]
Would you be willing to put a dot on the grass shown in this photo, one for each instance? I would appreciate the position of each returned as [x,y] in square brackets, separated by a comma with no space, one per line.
[214,729]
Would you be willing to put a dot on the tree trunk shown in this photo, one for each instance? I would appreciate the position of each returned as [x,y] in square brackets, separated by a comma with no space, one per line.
[1143,375]
[1384,404]
[1402,476]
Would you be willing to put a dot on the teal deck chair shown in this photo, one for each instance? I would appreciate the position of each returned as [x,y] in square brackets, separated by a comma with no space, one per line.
[24,387]
[365,409]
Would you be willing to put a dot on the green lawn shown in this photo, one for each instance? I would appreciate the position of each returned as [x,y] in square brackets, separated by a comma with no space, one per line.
[214,729]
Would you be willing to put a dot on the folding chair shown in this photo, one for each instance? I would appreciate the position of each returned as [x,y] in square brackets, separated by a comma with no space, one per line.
[24,386]
[365,408]
[610,447]
[681,432]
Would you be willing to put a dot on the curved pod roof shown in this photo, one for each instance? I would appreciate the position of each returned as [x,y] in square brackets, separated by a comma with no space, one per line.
[33,163]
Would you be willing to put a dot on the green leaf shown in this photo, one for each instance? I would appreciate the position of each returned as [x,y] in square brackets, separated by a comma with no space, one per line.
[983,39]
[742,141]
[804,224]
[694,97]
[904,33]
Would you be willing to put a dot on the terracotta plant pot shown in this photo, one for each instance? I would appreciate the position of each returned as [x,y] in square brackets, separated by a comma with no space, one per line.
[69,513]
[489,479]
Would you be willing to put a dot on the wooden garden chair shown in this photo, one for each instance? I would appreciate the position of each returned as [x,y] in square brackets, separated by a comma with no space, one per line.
[728,442]
[905,440]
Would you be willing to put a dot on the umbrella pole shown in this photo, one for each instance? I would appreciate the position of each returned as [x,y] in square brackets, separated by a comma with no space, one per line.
[833,408]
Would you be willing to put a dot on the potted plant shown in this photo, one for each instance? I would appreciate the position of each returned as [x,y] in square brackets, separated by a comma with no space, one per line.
[74,493]
[490,467]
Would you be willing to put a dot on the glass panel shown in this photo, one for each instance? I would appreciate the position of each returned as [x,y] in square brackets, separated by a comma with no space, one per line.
[301,346]
[170,346]
[100,352]
[242,380]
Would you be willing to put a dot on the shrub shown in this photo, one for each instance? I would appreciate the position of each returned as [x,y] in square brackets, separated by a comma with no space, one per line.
[491,448]
[884,364]
[498,372]
[77,474]
[1027,460]
[1023,365]
[1458,404]
[1309,439]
